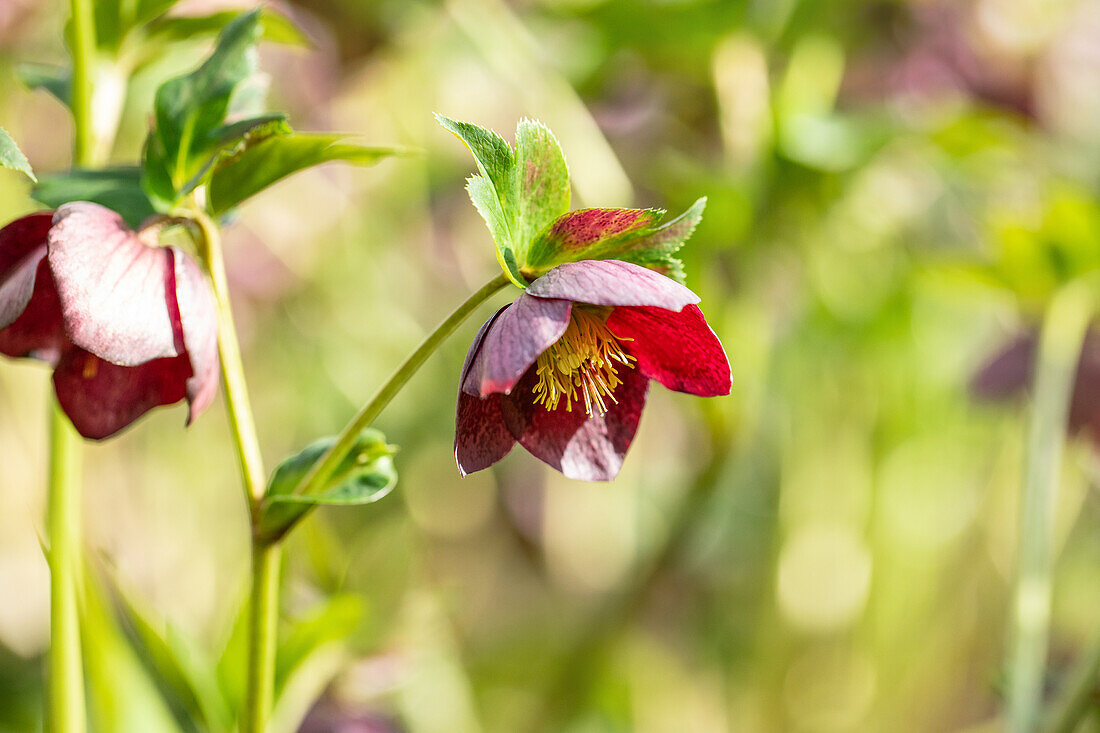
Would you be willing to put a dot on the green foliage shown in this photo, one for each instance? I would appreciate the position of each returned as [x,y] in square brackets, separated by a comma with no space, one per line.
[517,193]
[117,188]
[57,80]
[364,476]
[114,19]
[12,157]
[255,167]
[274,27]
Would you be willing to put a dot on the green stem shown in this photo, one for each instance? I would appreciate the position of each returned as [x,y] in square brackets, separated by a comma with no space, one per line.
[263,611]
[263,617]
[66,713]
[1063,333]
[66,682]
[315,480]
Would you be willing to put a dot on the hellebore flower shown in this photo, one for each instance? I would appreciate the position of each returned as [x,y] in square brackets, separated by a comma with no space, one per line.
[564,370]
[126,324]
[1011,371]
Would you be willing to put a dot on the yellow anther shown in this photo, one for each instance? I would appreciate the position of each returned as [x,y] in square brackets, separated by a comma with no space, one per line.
[581,365]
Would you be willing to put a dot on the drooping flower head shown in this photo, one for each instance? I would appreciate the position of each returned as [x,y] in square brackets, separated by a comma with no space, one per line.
[564,370]
[126,324]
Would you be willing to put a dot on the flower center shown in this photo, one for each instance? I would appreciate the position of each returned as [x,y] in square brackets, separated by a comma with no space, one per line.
[582,365]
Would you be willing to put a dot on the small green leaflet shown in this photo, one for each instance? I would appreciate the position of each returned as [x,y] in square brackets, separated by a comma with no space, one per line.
[12,157]
[279,156]
[118,188]
[365,475]
[518,193]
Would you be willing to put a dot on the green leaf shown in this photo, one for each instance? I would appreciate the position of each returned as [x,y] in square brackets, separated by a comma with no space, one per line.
[275,28]
[57,80]
[178,665]
[190,107]
[518,194]
[365,475]
[234,139]
[632,235]
[118,188]
[277,157]
[12,157]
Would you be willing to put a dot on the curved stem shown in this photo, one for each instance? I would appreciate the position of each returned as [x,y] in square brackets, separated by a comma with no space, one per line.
[66,682]
[315,480]
[1063,334]
[263,611]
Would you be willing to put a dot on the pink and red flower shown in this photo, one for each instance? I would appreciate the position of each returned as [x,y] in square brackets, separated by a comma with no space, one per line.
[127,325]
[564,370]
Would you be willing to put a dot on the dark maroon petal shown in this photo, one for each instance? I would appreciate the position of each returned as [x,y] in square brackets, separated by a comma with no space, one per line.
[22,247]
[481,437]
[580,446]
[679,350]
[516,337]
[38,332]
[612,282]
[1008,371]
[114,288]
[194,316]
[102,398]
[475,348]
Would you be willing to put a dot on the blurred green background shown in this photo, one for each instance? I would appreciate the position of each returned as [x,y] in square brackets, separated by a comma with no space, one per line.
[894,189]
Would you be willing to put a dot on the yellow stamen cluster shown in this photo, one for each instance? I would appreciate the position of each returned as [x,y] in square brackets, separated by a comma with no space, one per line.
[581,366]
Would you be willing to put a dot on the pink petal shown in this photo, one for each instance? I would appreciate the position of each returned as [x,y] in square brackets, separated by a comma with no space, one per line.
[513,340]
[194,315]
[580,446]
[481,437]
[679,350]
[22,247]
[612,282]
[102,398]
[114,288]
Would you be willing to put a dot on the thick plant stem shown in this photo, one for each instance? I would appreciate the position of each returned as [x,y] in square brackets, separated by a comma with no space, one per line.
[263,611]
[66,682]
[65,697]
[1063,334]
[315,480]
[262,636]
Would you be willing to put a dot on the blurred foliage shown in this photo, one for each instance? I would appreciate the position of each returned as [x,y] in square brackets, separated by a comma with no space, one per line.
[894,190]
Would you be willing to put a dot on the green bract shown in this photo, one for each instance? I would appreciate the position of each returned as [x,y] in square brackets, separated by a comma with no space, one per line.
[365,475]
[523,195]
[12,157]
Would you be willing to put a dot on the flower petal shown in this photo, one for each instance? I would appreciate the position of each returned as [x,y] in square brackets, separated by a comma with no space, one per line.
[481,437]
[513,340]
[102,398]
[38,332]
[612,282]
[679,350]
[195,317]
[580,446]
[22,247]
[114,289]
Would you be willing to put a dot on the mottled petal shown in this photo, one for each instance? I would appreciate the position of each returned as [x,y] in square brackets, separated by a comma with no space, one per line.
[114,288]
[679,350]
[22,247]
[513,341]
[38,332]
[612,282]
[102,398]
[580,446]
[194,316]
[481,437]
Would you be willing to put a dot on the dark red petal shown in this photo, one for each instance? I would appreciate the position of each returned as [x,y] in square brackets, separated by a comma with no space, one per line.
[114,288]
[22,247]
[679,350]
[475,349]
[195,318]
[1009,370]
[481,437]
[612,282]
[102,398]
[580,446]
[38,332]
[513,341]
